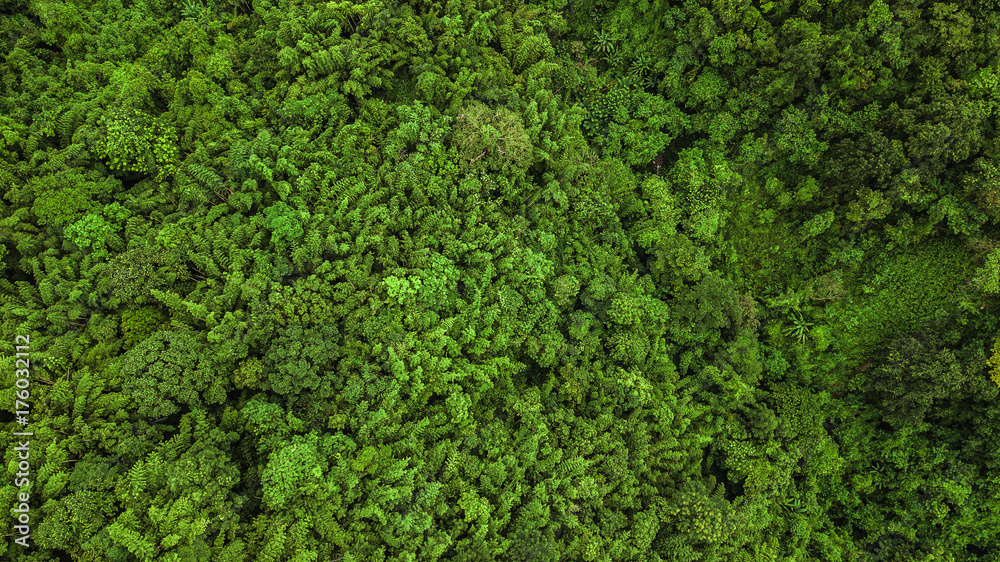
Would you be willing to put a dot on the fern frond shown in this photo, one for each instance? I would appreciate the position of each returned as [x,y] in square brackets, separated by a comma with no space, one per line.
[194,11]
[135,227]
[223,258]
[241,236]
[58,160]
[324,62]
[61,395]
[31,145]
[451,462]
[200,246]
[238,160]
[138,478]
[343,190]
[337,58]
[529,51]
[66,126]
[7,174]
[206,176]
[505,30]
[69,121]
[132,540]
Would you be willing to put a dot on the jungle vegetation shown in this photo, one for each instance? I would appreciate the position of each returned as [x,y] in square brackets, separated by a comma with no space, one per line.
[474,280]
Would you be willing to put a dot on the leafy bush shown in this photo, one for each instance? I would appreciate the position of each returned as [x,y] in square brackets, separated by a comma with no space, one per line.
[170,371]
[496,134]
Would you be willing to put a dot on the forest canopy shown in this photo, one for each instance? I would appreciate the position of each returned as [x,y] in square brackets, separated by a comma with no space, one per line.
[512,280]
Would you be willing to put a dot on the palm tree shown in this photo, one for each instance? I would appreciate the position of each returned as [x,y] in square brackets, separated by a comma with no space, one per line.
[799,328]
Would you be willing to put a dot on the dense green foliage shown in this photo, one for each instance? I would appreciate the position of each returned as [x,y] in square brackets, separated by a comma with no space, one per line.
[471,280]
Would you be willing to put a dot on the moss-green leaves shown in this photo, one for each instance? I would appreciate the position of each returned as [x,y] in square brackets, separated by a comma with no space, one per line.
[285,223]
[91,233]
[401,289]
[298,359]
[133,141]
[170,371]
[294,471]
[497,135]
